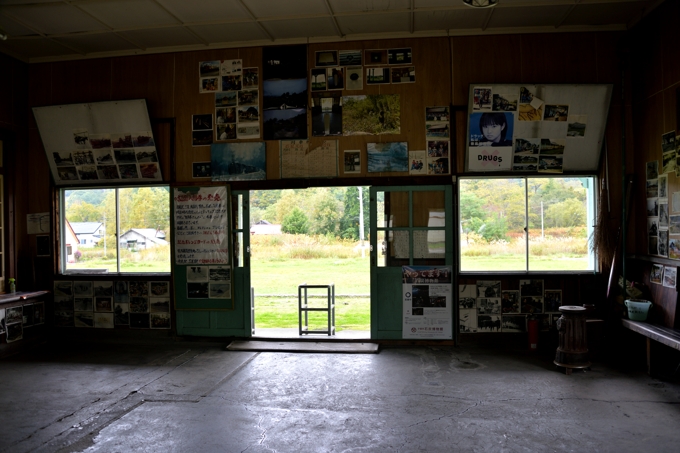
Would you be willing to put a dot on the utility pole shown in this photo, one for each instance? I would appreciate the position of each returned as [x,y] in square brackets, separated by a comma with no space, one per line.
[104,223]
[542,234]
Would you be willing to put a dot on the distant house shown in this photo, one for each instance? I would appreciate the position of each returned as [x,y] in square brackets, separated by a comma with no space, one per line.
[89,233]
[264,227]
[72,242]
[142,238]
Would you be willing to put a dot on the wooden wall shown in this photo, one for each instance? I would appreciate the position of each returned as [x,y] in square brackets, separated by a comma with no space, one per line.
[445,67]
[653,56]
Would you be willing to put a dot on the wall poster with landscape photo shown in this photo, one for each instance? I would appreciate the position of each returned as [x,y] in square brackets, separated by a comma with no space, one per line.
[371,114]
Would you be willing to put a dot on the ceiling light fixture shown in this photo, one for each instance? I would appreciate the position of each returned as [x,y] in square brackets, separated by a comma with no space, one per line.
[480,3]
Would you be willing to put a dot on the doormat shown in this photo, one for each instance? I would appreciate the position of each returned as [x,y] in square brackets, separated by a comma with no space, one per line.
[304,346]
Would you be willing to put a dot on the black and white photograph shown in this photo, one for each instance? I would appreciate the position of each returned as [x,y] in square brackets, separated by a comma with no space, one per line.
[576,126]
[652,170]
[505,102]
[354,78]
[663,186]
[510,302]
[63,318]
[531,305]
[467,320]
[138,289]
[125,156]
[556,112]
[668,162]
[82,288]
[350,57]
[663,216]
[652,226]
[489,305]
[15,332]
[197,273]
[662,243]
[139,304]
[514,323]
[531,288]
[160,320]
[219,274]
[62,288]
[198,290]
[220,291]
[201,169]
[103,289]
[121,140]
[103,320]
[668,142]
[488,323]
[14,315]
[80,139]
[128,171]
[121,314]
[83,304]
[139,320]
[63,303]
[2,321]
[399,56]
[488,288]
[84,319]
[159,305]
[552,300]
[326,58]
[467,296]
[670,276]
[652,188]
[652,207]
[98,141]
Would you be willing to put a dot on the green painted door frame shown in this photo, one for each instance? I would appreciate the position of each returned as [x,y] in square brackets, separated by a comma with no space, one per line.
[386,280]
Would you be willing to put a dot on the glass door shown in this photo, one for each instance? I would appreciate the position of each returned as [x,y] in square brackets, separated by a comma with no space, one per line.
[409,226]
[243,293]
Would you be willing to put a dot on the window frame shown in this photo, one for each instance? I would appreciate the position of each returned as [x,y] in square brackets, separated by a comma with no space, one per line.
[63,256]
[591,220]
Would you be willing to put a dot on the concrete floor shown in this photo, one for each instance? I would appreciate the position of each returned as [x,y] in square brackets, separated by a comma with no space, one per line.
[188,396]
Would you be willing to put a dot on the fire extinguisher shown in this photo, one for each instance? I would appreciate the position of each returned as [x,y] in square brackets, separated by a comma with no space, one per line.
[532,328]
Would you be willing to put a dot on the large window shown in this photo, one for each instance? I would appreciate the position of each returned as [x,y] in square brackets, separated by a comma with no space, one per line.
[116,230]
[524,224]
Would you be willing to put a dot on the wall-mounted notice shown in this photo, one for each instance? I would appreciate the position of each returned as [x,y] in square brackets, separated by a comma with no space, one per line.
[427,302]
[201,225]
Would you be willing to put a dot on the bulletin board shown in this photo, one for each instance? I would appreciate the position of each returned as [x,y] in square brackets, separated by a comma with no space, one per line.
[525,128]
[201,259]
[99,142]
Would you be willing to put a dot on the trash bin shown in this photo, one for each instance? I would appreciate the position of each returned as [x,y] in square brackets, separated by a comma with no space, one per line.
[572,351]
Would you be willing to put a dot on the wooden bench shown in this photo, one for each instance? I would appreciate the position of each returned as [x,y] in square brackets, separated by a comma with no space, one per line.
[664,335]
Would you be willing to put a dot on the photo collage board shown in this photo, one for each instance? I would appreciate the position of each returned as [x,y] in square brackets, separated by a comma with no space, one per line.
[237,103]
[101,142]
[112,304]
[535,128]
[14,320]
[436,158]
[484,307]
[663,208]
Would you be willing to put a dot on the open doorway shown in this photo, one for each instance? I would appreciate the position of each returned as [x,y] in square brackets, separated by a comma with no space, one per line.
[314,236]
